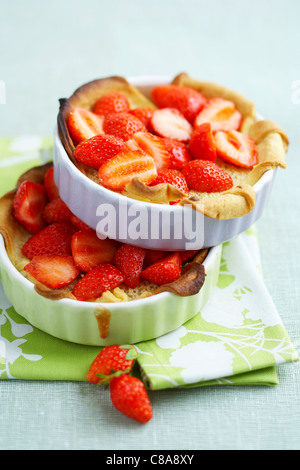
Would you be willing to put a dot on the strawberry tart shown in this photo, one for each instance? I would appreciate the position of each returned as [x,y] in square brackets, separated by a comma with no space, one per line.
[184,142]
[64,258]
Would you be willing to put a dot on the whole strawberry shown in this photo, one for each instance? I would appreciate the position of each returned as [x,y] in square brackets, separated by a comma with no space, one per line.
[110,360]
[129,396]
[207,177]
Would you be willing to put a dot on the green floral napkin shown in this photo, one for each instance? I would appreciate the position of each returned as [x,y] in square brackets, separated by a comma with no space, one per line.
[237,339]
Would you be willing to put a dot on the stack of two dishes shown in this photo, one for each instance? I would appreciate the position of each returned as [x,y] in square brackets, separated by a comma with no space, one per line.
[119,240]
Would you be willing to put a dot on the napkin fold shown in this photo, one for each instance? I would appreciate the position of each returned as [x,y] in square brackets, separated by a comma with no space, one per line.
[238,338]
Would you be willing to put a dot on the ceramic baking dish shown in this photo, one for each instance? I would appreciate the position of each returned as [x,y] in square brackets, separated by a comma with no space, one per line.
[165,227]
[102,324]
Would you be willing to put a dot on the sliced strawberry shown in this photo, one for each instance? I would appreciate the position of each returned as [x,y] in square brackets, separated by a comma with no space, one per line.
[50,186]
[202,143]
[173,177]
[84,124]
[55,239]
[78,223]
[179,152]
[28,206]
[122,125]
[237,148]
[54,271]
[56,211]
[155,147]
[187,255]
[222,115]
[206,177]
[97,150]
[163,271]
[121,169]
[144,115]
[170,123]
[88,250]
[112,103]
[188,101]
[129,260]
[152,256]
[98,280]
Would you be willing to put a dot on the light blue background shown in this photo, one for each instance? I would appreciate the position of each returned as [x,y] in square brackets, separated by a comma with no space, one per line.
[49,48]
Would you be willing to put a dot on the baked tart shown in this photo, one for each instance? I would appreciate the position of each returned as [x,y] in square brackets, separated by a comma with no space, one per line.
[186,142]
[64,258]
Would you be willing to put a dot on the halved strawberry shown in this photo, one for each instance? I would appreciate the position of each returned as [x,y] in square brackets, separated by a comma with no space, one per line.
[237,148]
[173,177]
[144,115]
[121,169]
[170,123]
[222,114]
[78,223]
[50,186]
[28,206]
[206,177]
[187,255]
[155,147]
[179,152]
[202,143]
[163,271]
[112,103]
[88,250]
[122,125]
[152,256]
[98,280]
[84,124]
[56,211]
[98,149]
[188,101]
[129,260]
[55,239]
[54,271]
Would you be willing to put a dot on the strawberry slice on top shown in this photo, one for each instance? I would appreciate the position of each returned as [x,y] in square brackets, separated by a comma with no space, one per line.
[129,260]
[117,172]
[122,125]
[237,148]
[173,177]
[84,124]
[112,103]
[56,211]
[98,280]
[202,143]
[222,114]
[170,123]
[179,152]
[28,205]
[155,147]
[55,239]
[98,149]
[54,271]
[163,271]
[207,177]
[88,250]
[187,100]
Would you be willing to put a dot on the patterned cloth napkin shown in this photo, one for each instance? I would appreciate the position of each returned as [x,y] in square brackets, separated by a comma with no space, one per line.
[237,339]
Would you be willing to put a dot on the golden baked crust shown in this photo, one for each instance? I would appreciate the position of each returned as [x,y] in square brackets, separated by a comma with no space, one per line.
[272,144]
[15,236]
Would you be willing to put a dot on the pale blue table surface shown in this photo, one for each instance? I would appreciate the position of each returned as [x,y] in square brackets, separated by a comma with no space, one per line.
[47,49]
